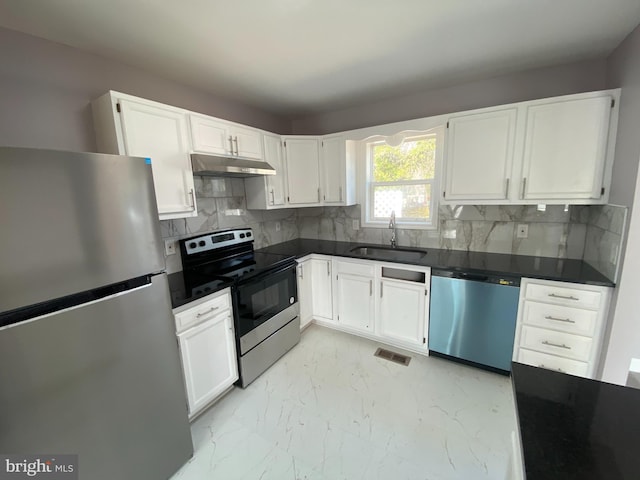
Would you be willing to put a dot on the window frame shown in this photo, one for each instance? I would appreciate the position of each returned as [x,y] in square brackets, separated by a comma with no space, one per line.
[367,218]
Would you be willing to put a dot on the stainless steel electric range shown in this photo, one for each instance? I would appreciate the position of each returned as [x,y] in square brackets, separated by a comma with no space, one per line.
[264,291]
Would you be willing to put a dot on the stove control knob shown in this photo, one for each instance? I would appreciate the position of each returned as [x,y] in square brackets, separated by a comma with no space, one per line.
[248,234]
[192,245]
[242,235]
[201,243]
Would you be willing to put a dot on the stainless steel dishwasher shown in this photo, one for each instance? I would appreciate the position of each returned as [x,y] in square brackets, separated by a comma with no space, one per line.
[472,318]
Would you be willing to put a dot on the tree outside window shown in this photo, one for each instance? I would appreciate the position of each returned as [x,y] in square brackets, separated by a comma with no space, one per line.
[401,179]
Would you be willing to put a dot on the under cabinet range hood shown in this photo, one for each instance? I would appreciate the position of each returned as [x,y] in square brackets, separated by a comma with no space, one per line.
[220,166]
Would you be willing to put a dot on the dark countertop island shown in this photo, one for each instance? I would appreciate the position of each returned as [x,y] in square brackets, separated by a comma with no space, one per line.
[565,270]
[574,428]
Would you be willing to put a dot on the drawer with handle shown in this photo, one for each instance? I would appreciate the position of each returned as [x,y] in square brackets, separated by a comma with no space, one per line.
[556,343]
[572,297]
[556,317]
[551,362]
[201,312]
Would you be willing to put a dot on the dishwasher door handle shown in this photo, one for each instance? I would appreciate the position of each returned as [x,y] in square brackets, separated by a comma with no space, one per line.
[473,276]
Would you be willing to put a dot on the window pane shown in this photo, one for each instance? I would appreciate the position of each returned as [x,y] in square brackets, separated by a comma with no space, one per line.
[409,202]
[412,160]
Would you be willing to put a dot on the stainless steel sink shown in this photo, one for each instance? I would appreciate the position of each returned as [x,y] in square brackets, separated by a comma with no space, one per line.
[390,253]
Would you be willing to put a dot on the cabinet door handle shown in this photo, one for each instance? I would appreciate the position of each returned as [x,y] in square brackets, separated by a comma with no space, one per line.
[202,314]
[273,198]
[370,287]
[318,195]
[340,189]
[565,320]
[381,287]
[235,139]
[506,189]
[193,199]
[524,186]
[301,272]
[231,143]
[551,344]
[564,297]
[328,270]
[542,365]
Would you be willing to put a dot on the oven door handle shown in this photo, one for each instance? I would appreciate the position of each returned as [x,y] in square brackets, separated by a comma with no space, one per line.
[268,273]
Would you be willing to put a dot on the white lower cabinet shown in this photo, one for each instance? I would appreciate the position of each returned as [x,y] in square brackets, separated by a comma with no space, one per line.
[207,347]
[384,301]
[560,326]
[315,294]
[354,295]
[403,305]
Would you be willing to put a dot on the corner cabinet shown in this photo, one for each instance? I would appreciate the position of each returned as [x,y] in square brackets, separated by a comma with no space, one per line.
[315,289]
[126,125]
[207,348]
[565,149]
[561,326]
[556,150]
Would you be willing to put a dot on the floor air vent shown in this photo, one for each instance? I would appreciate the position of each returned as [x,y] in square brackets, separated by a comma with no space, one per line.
[392,356]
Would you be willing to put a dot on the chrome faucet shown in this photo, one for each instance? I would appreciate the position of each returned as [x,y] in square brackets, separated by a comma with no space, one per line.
[392,226]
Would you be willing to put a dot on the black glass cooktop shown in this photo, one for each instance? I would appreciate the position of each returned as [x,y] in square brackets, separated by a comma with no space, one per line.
[197,282]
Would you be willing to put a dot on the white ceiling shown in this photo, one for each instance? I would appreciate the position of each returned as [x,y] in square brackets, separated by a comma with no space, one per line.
[301,56]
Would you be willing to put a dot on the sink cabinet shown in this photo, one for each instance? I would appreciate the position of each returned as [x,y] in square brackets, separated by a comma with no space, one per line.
[403,304]
[354,295]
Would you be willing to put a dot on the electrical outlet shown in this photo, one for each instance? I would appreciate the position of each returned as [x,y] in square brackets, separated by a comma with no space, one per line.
[169,247]
[278,226]
[523,230]
[355,224]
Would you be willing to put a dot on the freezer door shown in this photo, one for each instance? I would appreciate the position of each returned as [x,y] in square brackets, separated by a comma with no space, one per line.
[72,222]
[102,381]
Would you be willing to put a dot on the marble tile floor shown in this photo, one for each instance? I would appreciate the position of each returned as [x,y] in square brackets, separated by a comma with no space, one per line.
[331,410]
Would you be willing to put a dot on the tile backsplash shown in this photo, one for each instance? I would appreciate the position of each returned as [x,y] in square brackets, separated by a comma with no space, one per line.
[591,233]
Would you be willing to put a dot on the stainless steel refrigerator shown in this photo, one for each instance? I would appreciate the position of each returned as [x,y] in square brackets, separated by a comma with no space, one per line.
[89,362]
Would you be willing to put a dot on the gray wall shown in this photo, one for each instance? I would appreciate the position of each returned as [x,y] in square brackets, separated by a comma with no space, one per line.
[518,87]
[623,70]
[622,339]
[45,90]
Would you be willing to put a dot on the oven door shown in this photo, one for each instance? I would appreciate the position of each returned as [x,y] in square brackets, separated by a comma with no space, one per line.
[264,303]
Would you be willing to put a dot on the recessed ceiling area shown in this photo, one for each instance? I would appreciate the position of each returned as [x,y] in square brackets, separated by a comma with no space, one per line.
[293,57]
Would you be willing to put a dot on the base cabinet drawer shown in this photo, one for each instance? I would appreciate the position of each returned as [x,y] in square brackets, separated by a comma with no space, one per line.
[556,343]
[551,362]
[571,297]
[571,320]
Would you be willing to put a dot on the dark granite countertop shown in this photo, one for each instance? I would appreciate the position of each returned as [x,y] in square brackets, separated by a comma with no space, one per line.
[182,292]
[575,428]
[565,270]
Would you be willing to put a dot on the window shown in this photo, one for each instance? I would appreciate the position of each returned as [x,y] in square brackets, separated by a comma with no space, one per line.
[401,178]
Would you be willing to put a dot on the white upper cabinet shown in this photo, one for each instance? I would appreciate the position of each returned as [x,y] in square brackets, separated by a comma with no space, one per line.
[556,150]
[303,174]
[565,149]
[479,155]
[338,171]
[268,192]
[212,135]
[130,126]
